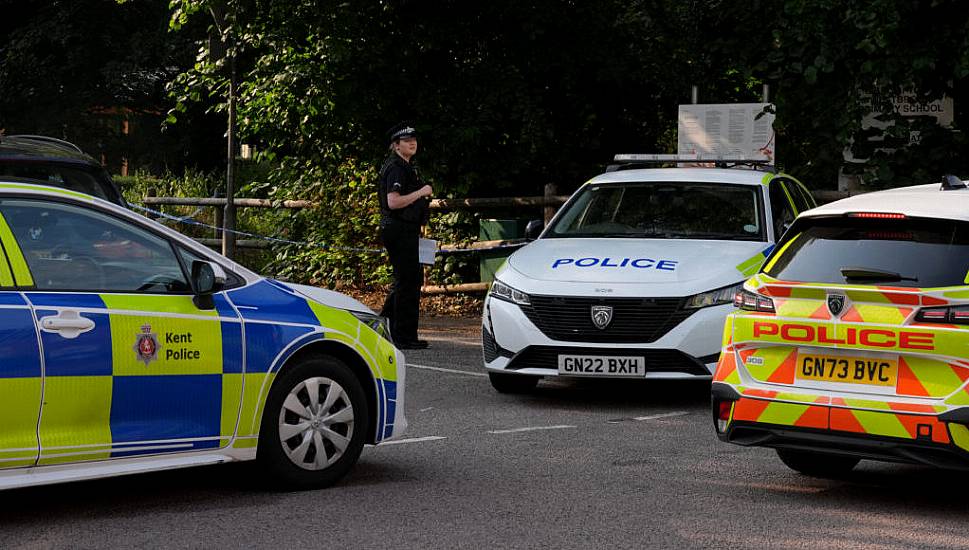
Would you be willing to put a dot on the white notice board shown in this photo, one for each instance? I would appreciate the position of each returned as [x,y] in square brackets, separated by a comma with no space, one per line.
[742,130]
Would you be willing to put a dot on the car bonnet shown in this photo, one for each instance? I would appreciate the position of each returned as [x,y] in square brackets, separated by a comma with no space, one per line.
[679,263]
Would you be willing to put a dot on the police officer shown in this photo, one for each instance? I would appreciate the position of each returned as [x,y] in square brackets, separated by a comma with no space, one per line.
[404,208]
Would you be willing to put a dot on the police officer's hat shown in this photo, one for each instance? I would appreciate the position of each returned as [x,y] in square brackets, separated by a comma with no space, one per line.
[400,131]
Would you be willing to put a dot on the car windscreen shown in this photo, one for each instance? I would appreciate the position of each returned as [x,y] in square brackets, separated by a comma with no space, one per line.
[65,176]
[910,252]
[664,210]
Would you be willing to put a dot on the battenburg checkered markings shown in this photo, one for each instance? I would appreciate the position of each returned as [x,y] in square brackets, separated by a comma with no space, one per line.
[99,376]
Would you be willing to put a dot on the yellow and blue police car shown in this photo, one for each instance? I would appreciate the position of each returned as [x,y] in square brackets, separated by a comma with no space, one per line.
[850,343]
[126,347]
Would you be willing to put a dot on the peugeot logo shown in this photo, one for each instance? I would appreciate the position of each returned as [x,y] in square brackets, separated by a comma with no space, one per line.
[836,303]
[601,316]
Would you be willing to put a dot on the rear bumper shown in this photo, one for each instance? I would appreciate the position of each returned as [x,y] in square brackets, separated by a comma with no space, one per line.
[873,447]
[888,434]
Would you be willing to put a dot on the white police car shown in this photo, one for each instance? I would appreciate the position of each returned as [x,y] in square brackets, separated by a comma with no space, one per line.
[126,347]
[635,274]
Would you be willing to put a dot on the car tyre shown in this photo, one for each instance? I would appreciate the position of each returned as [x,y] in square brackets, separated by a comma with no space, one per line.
[817,464]
[513,383]
[314,424]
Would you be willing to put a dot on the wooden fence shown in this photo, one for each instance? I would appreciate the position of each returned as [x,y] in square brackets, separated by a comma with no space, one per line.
[549,202]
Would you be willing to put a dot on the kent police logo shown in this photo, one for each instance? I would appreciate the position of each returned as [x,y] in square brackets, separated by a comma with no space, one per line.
[601,316]
[836,303]
[146,345]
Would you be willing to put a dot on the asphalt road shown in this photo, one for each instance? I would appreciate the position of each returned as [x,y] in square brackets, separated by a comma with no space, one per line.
[576,465]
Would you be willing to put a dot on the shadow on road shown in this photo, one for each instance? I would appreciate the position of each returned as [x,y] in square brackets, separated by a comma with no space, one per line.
[223,486]
[619,394]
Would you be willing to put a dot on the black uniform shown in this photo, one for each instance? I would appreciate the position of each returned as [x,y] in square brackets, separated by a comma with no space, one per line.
[400,230]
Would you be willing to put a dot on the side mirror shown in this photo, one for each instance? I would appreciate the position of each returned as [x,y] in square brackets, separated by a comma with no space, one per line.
[207,279]
[533,229]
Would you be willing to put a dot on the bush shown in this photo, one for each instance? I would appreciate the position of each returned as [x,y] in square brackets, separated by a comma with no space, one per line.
[336,244]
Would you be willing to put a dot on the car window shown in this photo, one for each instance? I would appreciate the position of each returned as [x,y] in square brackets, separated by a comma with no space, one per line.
[781,209]
[794,191]
[806,196]
[63,176]
[71,248]
[923,253]
[663,210]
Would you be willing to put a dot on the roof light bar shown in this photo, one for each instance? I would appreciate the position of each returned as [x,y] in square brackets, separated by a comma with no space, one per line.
[694,157]
[877,215]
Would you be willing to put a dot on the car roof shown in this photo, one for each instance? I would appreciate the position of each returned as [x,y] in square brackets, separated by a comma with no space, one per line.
[28,148]
[20,187]
[737,176]
[919,201]
[11,185]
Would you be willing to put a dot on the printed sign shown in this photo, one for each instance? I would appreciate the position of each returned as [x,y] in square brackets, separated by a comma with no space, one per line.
[735,131]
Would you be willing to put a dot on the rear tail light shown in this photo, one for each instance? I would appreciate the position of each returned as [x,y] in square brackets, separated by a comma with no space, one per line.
[956,315]
[753,302]
[723,415]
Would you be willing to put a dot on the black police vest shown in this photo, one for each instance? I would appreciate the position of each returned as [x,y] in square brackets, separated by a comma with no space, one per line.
[398,175]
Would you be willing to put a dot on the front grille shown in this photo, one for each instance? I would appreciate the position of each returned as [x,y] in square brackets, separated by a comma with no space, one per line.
[657,360]
[634,320]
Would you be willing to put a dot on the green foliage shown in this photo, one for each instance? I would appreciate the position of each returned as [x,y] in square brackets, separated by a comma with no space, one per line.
[85,70]
[458,228]
[344,247]
[833,62]
[190,184]
[510,96]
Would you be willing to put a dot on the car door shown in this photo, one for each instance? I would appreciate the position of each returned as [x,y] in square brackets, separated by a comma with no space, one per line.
[132,365]
[21,374]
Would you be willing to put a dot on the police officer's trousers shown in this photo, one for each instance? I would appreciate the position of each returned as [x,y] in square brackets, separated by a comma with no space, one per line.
[402,305]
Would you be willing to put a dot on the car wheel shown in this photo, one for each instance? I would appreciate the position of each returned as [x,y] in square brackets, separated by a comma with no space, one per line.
[512,383]
[817,464]
[313,424]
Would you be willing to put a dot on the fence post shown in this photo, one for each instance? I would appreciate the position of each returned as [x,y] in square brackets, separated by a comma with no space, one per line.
[152,192]
[229,221]
[551,190]
[219,220]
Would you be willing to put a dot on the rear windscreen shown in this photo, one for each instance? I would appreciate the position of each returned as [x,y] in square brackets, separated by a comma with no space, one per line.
[921,252]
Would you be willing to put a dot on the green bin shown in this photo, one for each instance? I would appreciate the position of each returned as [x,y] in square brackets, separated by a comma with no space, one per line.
[497,230]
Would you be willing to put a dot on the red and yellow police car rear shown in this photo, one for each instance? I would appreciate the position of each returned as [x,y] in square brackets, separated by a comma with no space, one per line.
[853,341]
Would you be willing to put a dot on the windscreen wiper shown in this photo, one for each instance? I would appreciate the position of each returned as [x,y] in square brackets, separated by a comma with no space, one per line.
[718,235]
[868,274]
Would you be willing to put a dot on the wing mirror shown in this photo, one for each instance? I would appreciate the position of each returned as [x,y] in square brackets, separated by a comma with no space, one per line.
[207,279]
[533,229]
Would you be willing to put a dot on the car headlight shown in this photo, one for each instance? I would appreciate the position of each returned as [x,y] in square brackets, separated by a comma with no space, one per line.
[714,297]
[380,325]
[504,292]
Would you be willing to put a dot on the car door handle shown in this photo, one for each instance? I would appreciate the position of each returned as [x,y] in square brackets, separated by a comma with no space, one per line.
[68,324]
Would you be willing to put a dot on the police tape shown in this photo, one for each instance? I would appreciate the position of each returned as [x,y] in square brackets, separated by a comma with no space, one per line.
[189,220]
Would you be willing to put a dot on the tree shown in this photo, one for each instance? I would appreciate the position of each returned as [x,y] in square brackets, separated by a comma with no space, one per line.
[75,69]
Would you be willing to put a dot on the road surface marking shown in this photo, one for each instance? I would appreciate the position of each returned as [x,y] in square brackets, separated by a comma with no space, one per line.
[530,429]
[452,371]
[412,440]
[658,416]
